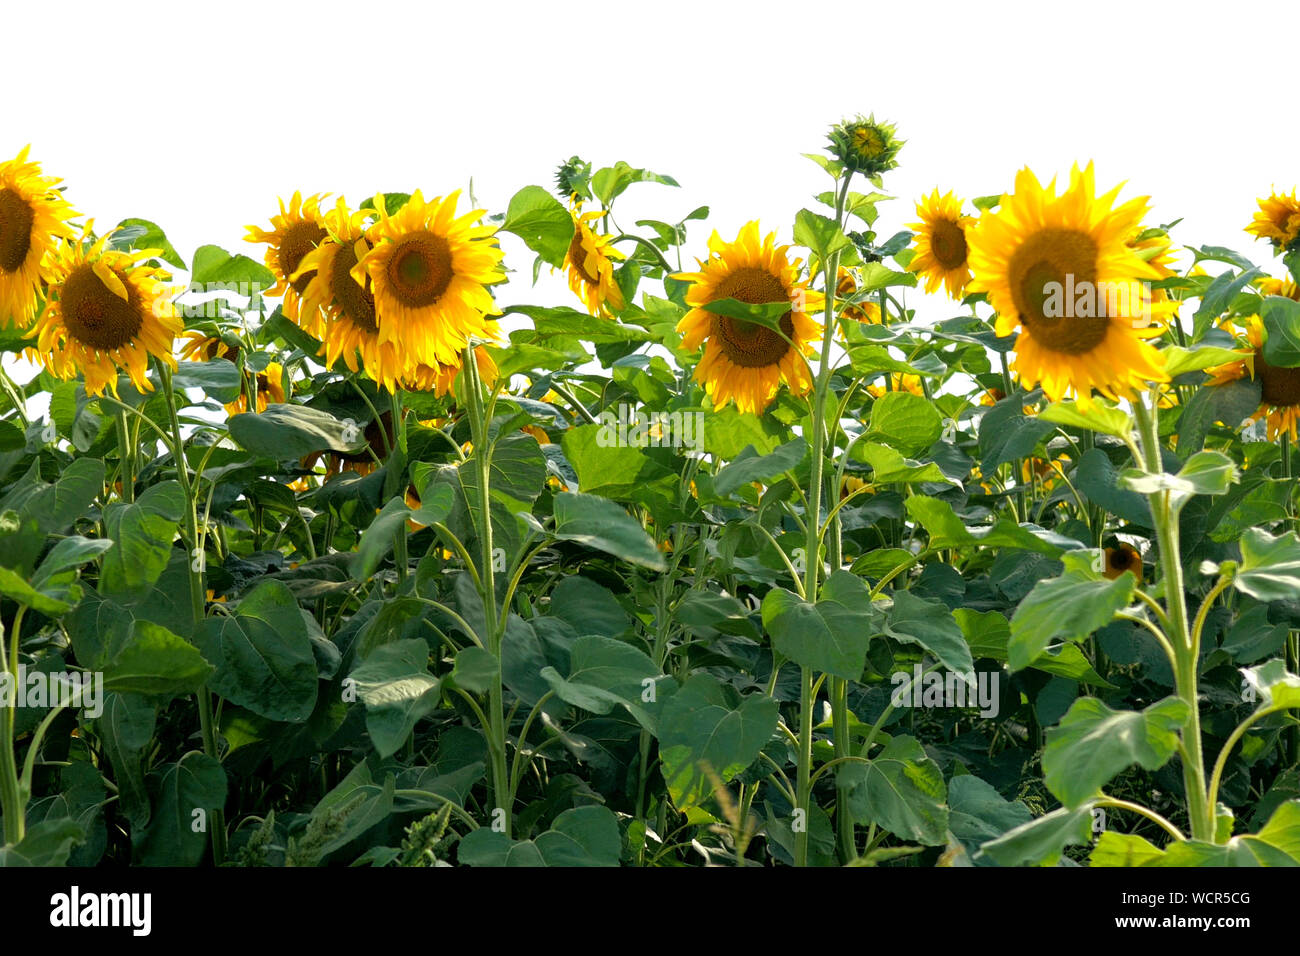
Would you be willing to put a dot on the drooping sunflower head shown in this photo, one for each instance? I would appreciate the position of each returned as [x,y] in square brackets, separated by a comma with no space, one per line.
[940,244]
[271,389]
[1278,221]
[294,233]
[1283,287]
[590,265]
[1123,559]
[198,346]
[430,270]
[573,179]
[1279,386]
[864,310]
[33,218]
[106,311]
[744,361]
[1058,268]
[865,146]
[342,308]
[439,379]
[898,382]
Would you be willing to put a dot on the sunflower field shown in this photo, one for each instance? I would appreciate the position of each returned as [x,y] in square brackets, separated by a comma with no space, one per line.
[314,553]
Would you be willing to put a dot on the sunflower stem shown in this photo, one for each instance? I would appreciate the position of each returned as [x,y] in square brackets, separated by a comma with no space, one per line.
[11,798]
[198,592]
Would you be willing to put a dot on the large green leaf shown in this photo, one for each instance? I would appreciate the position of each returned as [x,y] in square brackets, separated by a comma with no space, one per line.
[542,222]
[1270,565]
[901,790]
[707,728]
[931,625]
[750,466]
[830,636]
[1093,743]
[1071,607]
[397,689]
[601,524]
[155,662]
[579,837]
[905,422]
[263,655]
[604,673]
[185,794]
[286,431]
[1041,841]
[144,531]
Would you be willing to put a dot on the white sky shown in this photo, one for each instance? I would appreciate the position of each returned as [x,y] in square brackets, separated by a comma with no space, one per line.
[200,118]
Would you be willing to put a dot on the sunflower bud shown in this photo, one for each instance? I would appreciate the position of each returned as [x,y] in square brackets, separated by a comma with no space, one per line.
[864,146]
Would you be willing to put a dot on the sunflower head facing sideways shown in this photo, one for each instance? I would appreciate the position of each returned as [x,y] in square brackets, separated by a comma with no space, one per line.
[1279,387]
[590,265]
[295,232]
[106,311]
[430,271]
[439,379]
[864,310]
[1059,269]
[271,389]
[746,362]
[1283,287]
[1278,221]
[1123,558]
[898,382]
[940,244]
[33,218]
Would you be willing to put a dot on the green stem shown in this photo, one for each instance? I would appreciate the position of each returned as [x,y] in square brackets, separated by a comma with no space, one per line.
[198,592]
[11,800]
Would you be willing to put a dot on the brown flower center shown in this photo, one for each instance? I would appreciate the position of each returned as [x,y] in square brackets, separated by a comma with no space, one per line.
[16,218]
[1122,559]
[948,243]
[1279,386]
[578,258]
[749,344]
[419,269]
[96,316]
[298,240]
[1043,269]
[357,302]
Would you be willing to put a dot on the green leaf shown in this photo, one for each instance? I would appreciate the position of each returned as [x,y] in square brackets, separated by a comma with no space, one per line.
[542,222]
[1229,404]
[148,235]
[901,790]
[286,431]
[608,183]
[1205,473]
[1281,318]
[238,274]
[1007,433]
[890,467]
[125,729]
[395,685]
[47,843]
[154,662]
[1093,743]
[1101,417]
[475,669]
[931,625]
[946,530]
[988,633]
[377,540]
[13,586]
[977,813]
[218,377]
[749,466]
[707,726]
[1274,687]
[905,422]
[185,792]
[144,531]
[1071,607]
[828,636]
[819,233]
[579,837]
[1219,295]
[263,655]
[70,553]
[1040,841]
[1270,565]
[605,673]
[1179,361]
[601,524]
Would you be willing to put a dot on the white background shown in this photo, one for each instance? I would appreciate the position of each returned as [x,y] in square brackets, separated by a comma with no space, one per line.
[199,117]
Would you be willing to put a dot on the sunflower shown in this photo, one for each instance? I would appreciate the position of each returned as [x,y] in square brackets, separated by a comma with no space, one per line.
[33,217]
[429,271]
[1045,471]
[864,145]
[378,439]
[1283,287]
[1123,558]
[865,311]
[1278,220]
[1279,387]
[341,306]
[590,264]
[105,311]
[746,362]
[940,244]
[992,396]
[294,233]
[1038,244]
[898,382]
[439,379]
[201,347]
[270,389]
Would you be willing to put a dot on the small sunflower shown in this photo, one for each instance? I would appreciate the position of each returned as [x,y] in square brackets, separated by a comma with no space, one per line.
[940,244]
[430,271]
[377,434]
[294,233]
[201,347]
[1121,559]
[33,217]
[1278,220]
[439,379]
[1283,287]
[1279,387]
[992,396]
[1045,471]
[105,311]
[865,311]
[898,382]
[865,146]
[270,389]
[590,265]
[1039,244]
[746,362]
